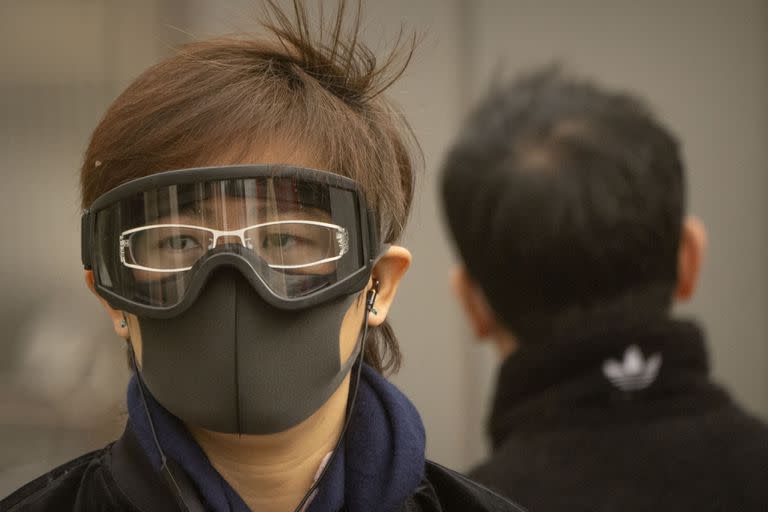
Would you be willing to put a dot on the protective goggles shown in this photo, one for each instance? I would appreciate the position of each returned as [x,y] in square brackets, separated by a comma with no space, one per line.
[299,236]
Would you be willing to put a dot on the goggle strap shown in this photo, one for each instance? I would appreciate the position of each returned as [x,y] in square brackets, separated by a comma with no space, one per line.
[86,227]
[373,234]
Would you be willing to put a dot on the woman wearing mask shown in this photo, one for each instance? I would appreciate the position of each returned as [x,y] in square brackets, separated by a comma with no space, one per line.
[241,200]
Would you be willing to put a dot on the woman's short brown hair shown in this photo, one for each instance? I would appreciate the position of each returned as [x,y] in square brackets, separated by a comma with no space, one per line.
[317,92]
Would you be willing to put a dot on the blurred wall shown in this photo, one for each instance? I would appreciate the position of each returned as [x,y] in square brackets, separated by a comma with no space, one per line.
[63,370]
[701,64]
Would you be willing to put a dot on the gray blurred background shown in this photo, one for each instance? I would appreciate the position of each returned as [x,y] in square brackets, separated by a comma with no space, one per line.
[702,64]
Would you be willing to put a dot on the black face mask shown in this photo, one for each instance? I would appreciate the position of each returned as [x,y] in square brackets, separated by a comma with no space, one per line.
[233,363]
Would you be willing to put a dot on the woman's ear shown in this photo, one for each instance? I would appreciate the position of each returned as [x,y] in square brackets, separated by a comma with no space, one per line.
[693,244]
[118,317]
[480,315]
[388,271]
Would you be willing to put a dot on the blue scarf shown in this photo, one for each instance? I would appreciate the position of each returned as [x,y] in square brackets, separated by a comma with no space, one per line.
[379,464]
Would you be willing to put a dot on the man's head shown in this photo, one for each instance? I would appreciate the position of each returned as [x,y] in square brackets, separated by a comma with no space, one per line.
[566,202]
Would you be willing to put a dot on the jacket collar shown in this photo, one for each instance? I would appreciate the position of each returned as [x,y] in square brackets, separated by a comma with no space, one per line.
[616,373]
[135,475]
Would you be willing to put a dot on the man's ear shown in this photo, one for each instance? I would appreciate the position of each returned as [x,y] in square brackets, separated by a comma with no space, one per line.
[693,244]
[389,270]
[480,315]
[118,317]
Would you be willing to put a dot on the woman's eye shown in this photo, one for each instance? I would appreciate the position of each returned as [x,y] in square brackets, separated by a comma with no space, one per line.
[180,243]
[279,240]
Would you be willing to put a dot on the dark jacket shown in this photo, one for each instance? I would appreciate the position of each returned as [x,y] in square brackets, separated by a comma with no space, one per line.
[623,420]
[121,478]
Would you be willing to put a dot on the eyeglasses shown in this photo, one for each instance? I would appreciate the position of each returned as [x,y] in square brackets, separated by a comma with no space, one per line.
[288,244]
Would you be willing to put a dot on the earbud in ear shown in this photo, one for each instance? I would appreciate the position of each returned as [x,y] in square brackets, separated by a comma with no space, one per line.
[371,299]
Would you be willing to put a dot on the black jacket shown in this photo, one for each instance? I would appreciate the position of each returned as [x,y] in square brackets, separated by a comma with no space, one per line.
[120,478]
[587,425]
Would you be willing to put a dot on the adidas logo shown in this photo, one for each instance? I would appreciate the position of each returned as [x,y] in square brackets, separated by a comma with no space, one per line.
[635,372]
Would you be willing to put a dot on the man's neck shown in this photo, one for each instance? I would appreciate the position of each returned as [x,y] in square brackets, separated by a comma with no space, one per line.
[274,472]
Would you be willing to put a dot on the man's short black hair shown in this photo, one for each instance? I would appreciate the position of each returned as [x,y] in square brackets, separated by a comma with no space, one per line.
[566,203]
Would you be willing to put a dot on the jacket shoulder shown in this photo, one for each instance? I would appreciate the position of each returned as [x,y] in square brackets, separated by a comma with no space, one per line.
[445,490]
[78,485]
